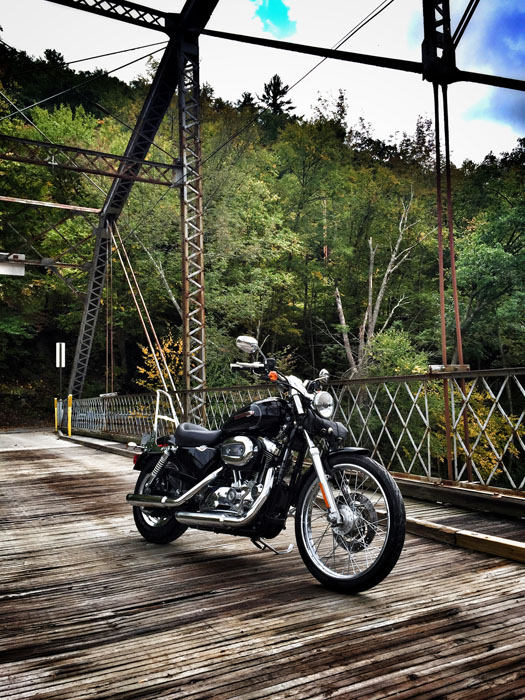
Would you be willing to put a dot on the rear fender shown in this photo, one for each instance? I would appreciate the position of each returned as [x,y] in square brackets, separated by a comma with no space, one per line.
[146,459]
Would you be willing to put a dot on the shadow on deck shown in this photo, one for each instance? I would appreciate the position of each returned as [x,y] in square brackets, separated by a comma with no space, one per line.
[90,610]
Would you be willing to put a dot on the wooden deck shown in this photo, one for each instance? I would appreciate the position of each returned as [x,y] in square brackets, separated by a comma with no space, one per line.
[90,610]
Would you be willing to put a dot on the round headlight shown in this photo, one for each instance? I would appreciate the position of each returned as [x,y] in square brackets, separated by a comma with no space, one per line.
[324,404]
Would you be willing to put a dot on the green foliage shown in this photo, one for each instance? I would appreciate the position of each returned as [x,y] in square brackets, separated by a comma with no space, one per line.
[292,209]
[393,352]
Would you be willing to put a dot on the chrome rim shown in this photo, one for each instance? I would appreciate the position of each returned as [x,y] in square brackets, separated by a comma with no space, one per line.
[152,517]
[350,549]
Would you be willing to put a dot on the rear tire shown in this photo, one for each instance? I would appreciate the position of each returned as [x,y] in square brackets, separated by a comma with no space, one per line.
[157,525]
[363,550]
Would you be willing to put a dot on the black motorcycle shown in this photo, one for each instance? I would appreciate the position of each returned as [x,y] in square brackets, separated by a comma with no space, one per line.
[276,457]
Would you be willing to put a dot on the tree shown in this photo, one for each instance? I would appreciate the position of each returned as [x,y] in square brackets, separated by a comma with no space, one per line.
[273,96]
[359,356]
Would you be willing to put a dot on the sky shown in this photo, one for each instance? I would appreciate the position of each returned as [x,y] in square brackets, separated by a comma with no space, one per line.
[482,118]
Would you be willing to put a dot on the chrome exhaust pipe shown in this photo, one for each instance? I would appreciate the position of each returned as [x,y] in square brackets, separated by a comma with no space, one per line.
[146,501]
[225,520]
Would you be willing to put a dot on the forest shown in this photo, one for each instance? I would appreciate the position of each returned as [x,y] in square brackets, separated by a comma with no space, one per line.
[320,239]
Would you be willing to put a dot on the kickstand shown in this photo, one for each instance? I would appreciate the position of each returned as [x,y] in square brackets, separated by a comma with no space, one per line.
[262,545]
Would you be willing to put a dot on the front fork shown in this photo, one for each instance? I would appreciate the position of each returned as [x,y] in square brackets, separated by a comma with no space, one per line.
[334,517]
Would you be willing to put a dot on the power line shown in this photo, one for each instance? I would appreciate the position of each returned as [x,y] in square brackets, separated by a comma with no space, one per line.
[80,60]
[90,99]
[113,53]
[82,84]
[372,15]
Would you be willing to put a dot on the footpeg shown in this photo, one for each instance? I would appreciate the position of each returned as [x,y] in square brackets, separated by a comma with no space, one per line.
[263,545]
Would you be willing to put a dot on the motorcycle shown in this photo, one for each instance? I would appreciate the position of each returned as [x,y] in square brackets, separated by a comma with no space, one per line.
[276,457]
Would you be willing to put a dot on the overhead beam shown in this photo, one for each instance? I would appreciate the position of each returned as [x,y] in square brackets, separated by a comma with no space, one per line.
[380,61]
[193,18]
[454,75]
[82,160]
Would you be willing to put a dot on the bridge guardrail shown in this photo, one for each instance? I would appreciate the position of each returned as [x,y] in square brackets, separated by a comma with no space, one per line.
[400,419]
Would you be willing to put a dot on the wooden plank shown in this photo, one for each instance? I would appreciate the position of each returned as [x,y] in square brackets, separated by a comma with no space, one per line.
[91,610]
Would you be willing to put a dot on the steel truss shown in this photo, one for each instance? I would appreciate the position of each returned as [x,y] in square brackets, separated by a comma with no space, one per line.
[179,65]
[192,229]
[87,161]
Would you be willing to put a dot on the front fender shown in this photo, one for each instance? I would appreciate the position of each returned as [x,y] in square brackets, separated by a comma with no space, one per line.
[348,451]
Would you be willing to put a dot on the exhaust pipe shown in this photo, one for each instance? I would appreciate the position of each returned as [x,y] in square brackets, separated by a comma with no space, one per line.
[146,501]
[224,520]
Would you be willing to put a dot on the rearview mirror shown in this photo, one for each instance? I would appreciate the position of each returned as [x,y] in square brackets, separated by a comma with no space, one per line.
[324,376]
[247,344]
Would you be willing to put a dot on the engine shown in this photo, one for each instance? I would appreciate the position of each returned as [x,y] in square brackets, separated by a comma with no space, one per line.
[248,459]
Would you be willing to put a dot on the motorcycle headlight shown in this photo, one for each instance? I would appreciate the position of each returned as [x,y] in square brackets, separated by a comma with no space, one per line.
[324,404]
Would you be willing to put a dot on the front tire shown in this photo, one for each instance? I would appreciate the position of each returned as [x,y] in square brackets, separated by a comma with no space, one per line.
[156,525]
[359,553]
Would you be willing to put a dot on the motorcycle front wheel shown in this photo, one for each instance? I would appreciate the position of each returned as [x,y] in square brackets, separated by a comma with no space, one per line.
[156,525]
[363,549]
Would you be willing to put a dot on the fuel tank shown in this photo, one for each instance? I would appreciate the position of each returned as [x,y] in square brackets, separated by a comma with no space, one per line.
[263,418]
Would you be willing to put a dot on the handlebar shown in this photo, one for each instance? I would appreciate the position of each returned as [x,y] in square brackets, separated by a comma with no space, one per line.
[247,365]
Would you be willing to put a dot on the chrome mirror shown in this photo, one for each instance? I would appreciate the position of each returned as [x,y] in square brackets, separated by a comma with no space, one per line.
[247,344]
[324,376]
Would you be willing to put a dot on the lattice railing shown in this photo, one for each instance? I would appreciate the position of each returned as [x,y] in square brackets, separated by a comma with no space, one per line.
[399,419]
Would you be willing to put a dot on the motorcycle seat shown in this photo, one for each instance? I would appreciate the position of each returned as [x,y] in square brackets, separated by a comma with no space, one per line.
[191,435]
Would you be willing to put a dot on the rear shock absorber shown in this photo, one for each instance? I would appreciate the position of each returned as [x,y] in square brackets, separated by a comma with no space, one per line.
[159,466]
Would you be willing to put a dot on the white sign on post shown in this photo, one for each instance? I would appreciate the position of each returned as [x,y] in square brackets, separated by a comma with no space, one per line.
[12,264]
[60,354]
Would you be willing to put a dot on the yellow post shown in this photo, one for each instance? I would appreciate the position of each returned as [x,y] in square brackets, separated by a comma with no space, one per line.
[69,412]
[56,415]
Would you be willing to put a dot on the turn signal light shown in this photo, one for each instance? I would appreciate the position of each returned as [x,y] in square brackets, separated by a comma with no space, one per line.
[272,376]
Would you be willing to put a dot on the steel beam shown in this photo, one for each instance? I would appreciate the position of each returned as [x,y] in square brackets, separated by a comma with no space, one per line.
[129,12]
[192,232]
[181,52]
[157,102]
[83,160]
[433,67]
[53,205]
[97,278]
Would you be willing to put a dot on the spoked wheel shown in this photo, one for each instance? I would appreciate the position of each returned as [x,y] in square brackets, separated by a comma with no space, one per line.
[155,524]
[363,549]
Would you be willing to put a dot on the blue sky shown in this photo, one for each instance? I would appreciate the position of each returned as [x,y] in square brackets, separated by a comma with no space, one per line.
[275,17]
[497,42]
[482,118]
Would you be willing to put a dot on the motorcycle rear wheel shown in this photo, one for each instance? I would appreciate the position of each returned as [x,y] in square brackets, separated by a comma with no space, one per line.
[359,553]
[156,525]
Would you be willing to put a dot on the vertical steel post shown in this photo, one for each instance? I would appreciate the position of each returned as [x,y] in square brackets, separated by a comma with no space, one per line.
[450,221]
[439,201]
[192,229]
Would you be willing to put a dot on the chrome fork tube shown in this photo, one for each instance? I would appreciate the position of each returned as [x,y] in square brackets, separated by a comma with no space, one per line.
[334,517]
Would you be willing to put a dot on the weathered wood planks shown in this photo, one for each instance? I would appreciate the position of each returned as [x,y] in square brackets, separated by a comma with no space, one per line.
[90,610]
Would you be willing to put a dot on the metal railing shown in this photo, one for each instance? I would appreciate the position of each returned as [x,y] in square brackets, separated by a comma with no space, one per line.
[399,419]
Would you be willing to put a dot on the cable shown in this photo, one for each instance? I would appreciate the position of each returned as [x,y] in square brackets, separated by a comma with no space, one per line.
[114,229]
[380,8]
[372,15]
[90,99]
[80,60]
[76,87]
